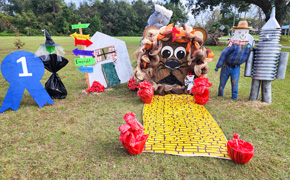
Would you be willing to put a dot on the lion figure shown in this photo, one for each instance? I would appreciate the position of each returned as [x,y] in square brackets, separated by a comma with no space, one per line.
[169,54]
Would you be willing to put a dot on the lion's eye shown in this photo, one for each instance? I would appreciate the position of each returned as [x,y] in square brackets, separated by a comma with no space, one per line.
[180,52]
[166,51]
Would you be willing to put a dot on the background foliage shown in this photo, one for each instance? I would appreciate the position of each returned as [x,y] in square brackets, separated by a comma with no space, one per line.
[228,6]
[118,18]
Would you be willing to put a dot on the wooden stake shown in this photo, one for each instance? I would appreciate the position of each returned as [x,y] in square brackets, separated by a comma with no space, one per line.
[83,48]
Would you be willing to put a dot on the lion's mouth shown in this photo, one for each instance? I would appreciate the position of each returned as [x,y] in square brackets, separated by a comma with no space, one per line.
[170,80]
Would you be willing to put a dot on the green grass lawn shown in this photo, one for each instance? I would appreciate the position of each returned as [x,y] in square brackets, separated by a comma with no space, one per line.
[78,137]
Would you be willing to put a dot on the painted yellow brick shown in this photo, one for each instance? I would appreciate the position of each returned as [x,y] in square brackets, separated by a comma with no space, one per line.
[184,124]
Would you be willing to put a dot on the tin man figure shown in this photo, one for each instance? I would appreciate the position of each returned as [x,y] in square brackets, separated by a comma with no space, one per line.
[267,63]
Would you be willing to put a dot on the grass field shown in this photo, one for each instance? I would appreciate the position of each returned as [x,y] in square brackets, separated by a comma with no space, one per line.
[78,137]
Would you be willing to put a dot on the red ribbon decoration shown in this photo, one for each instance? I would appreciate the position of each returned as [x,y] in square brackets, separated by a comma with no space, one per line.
[174,31]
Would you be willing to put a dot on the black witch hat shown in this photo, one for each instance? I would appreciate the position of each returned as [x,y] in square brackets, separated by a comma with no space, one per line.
[49,41]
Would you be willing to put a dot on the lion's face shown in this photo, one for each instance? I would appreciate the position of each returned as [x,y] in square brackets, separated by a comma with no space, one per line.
[172,67]
[165,64]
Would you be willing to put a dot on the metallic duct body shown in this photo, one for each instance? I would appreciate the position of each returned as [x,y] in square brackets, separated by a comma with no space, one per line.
[267,55]
[267,63]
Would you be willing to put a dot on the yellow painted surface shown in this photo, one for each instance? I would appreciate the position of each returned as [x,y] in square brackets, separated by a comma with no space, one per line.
[80,36]
[179,126]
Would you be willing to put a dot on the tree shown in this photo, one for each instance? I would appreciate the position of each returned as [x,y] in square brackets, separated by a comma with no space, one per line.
[179,12]
[2,5]
[27,29]
[60,24]
[106,10]
[5,21]
[212,20]
[95,25]
[143,11]
[282,6]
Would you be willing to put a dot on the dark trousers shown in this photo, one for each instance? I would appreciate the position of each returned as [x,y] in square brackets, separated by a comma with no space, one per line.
[226,72]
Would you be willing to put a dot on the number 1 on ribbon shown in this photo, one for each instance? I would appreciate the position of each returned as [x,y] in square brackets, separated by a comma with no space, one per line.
[24,67]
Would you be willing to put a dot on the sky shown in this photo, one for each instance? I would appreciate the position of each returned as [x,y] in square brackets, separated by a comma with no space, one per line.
[74,1]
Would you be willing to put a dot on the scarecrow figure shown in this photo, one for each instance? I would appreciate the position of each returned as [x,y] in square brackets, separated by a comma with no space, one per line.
[51,56]
[160,17]
[235,54]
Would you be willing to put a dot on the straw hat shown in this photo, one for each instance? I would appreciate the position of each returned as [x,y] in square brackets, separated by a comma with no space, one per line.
[242,25]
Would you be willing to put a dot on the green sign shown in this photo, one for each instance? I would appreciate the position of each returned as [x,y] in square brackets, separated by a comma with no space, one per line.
[78,26]
[84,61]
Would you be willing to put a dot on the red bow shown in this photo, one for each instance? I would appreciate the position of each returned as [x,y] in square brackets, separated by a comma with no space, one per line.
[174,31]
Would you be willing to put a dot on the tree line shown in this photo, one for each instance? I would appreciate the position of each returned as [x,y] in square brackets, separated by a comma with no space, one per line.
[113,17]
[227,7]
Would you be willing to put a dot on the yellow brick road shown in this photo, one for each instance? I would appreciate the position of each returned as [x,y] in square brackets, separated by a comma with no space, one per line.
[179,126]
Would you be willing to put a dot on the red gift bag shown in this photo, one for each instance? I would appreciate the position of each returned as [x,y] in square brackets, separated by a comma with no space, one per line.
[240,151]
[145,92]
[132,136]
[96,87]
[200,90]
[138,147]
[132,84]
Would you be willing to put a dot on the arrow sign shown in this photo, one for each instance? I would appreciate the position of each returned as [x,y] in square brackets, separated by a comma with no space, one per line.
[83,42]
[82,52]
[77,26]
[80,36]
[86,69]
[84,61]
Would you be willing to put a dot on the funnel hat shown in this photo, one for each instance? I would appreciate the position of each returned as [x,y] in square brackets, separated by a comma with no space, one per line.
[48,41]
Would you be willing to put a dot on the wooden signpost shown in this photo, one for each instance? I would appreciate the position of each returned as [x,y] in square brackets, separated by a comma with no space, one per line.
[83,40]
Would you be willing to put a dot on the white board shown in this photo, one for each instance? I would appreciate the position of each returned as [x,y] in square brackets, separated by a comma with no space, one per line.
[122,66]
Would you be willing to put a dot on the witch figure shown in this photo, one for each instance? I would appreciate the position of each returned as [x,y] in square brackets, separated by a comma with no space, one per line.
[51,56]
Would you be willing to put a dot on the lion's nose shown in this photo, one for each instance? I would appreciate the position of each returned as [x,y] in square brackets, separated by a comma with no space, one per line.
[172,64]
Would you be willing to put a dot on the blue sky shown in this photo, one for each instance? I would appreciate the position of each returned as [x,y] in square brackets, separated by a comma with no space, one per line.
[75,1]
[78,1]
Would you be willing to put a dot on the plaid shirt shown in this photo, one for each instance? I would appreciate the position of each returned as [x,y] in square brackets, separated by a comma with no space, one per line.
[238,42]
[233,55]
